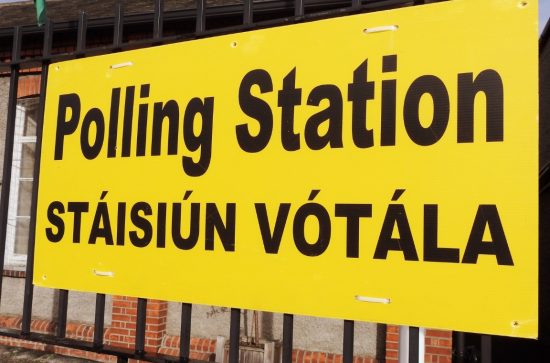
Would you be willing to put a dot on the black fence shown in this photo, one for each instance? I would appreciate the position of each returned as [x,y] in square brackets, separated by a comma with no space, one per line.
[203,20]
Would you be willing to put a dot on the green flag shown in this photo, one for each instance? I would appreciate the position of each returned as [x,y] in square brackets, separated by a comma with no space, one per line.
[40,11]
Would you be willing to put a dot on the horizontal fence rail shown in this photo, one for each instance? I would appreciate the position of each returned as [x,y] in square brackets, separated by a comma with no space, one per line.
[167,27]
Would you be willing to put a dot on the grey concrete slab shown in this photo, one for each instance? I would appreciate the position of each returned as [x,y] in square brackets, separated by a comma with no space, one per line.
[21,355]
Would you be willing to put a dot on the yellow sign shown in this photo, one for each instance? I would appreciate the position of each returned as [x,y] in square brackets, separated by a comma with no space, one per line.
[379,167]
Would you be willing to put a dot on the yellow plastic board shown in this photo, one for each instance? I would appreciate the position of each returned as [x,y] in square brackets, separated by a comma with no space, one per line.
[379,167]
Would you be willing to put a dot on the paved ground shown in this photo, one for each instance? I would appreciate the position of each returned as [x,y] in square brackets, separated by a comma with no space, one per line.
[20,355]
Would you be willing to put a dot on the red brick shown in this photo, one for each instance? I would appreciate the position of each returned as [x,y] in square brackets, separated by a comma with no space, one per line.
[440,351]
[392,329]
[172,341]
[28,86]
[438,333]
[300,356]
[314,357]
[442,342]
[123,317]
[153,313]
[120,331]
[124,304]
[129,326]
[392,346]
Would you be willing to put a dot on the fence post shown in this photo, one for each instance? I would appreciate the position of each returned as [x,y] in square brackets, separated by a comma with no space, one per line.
[411,344]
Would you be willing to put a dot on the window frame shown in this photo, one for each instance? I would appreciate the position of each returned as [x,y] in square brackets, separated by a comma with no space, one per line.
[14,260]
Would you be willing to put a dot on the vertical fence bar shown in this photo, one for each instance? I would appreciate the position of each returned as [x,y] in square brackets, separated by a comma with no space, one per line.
[403,344]
[118,26]
[200,25]
[185,332]
[247,16]
[29,288]
[159,19]
[99,321]
[298,8]
[62,313]
[355,4]
[64,294]
[288,337]
[460,347]
[414,335]
[82,29]
[140,326]
[486,349]
[349,326]
[421,344]
[8,147]
[234,335]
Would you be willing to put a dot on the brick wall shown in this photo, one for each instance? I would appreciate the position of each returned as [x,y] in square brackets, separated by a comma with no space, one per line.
[123,323]
[392,344]
[123,332]
[304,356]
[74,330]
[439,346]
[201,348]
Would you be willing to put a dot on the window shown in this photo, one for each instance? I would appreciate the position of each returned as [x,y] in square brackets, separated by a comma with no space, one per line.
[17,231]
